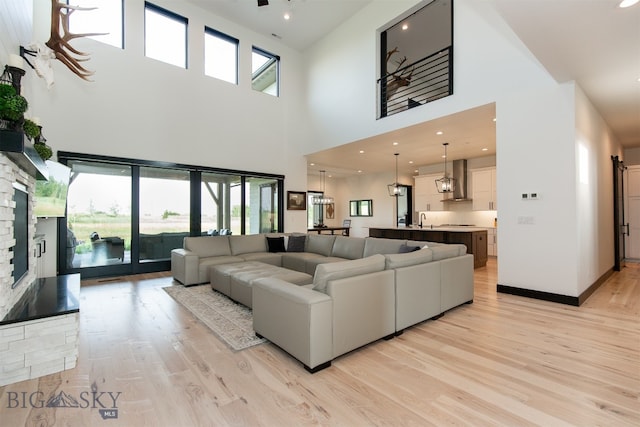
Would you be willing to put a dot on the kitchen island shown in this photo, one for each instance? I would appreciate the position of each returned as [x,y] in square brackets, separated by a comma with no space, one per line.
[474,238]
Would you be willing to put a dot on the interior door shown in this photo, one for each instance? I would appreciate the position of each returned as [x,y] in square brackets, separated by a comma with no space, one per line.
[618,213]
[632,205]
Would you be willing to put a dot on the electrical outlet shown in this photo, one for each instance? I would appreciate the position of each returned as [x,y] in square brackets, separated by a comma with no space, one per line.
[525,196]
[534,196]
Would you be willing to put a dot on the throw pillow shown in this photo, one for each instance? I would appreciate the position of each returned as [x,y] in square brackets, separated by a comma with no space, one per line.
[276,244]
[296,243]
[404,249]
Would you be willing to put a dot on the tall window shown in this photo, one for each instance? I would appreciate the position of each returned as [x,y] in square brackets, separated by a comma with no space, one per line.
[219,210]
[220,56]
[265,70]
[261,205]
[105,18]
[98,214]
[165,35]
[164,211]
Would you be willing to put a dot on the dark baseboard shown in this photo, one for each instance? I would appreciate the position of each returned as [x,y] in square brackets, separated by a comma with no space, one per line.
[561,299]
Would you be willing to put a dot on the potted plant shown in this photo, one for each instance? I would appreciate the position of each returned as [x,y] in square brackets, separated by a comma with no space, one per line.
[12,108]
[31,129]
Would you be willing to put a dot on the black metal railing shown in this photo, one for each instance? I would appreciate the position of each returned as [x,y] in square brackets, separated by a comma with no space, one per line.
[423,81]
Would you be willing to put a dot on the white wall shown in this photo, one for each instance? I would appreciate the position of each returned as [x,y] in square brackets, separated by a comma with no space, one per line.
[595,144]
[141,108]
[536,138]
[631,156]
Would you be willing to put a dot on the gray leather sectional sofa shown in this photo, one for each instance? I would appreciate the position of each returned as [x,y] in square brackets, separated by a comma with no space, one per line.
[318,296]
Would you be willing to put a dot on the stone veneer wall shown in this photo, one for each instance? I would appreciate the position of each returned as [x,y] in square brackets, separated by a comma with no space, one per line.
[10,173]
[38,347]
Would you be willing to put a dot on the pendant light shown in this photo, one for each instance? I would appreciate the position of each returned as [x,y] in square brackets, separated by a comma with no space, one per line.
[445,184]
[395,189]
[324,199]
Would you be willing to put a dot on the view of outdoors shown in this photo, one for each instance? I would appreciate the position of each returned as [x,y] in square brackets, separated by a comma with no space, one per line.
[100,211]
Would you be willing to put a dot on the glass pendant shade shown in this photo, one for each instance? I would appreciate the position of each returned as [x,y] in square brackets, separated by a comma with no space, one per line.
[395,189]
[324,199]
[445,184]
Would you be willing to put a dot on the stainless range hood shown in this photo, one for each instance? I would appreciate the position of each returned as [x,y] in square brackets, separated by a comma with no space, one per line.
[459,173]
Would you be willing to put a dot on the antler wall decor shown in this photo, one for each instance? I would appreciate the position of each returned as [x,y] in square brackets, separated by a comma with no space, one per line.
[60,38]
[400,79]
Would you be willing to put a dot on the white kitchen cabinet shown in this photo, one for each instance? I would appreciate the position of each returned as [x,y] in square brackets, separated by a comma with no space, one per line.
[427,197]
[484,189]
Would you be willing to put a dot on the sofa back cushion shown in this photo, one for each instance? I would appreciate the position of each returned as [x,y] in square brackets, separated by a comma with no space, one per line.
[343,269]
[410,258]
[208,246]
[246,244]
[447,251]
[348,247]
[319,244]
[375,245]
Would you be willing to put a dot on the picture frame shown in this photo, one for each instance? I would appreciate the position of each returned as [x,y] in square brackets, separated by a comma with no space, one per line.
[297,200]
[361,207]
[330,211]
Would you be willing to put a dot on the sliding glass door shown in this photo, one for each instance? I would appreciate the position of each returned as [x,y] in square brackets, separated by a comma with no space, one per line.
[98,215]
[124,216]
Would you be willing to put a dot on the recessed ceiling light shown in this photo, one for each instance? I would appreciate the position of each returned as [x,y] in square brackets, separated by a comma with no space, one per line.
[312,164]
[439,132]
[287,16]
[395,143]
[628,3]
[359,170]
[410,162]
[494,119]
[405,26]
[485,149]
[361,151]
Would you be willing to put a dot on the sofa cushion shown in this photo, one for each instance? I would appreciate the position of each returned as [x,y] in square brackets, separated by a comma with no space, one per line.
[404,249]
[245,244]
[298,260]
[296,243]
[348,247]
[407,259]
[376,245]
[208,246]
[319,244]
[446,251]
[276,244]
[343,269]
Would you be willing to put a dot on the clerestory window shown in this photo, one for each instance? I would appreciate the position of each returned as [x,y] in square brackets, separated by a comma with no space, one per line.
[165,35]
[220,56]
[106,17]
[265,70]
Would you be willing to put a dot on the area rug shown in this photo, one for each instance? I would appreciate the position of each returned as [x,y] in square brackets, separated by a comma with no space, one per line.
[230,321]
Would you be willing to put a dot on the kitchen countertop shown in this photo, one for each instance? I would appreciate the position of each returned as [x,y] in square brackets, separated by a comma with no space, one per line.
[438,228]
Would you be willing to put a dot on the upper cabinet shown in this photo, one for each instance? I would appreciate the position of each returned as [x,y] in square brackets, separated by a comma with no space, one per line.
[427,196]
[484,189]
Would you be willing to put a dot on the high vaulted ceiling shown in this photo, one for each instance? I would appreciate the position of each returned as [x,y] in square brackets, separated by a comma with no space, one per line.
[593,42]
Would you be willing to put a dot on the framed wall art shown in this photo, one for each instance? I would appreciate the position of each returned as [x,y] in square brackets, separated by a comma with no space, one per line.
[297,200]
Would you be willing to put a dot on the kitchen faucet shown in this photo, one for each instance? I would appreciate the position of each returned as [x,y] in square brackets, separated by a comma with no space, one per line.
[422,215]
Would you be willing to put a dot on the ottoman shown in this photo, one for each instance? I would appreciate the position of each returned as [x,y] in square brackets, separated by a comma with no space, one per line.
[234,280]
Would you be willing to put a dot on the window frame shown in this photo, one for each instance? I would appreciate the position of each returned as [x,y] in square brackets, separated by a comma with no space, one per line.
[273,58]
[122,24]
[171,15]
[215,33]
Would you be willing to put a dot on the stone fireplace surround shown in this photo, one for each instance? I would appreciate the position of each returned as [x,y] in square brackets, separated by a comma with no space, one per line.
[39,346]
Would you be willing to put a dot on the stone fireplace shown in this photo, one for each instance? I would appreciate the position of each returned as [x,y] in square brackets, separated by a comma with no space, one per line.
[39,317]
[12,174]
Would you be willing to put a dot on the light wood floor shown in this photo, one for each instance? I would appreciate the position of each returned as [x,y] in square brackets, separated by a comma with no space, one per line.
[504,360]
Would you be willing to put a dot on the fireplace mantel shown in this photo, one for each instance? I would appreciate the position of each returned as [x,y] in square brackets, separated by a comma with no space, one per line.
[18,148]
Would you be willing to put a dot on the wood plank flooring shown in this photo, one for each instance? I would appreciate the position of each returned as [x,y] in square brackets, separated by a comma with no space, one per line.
[502,361]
